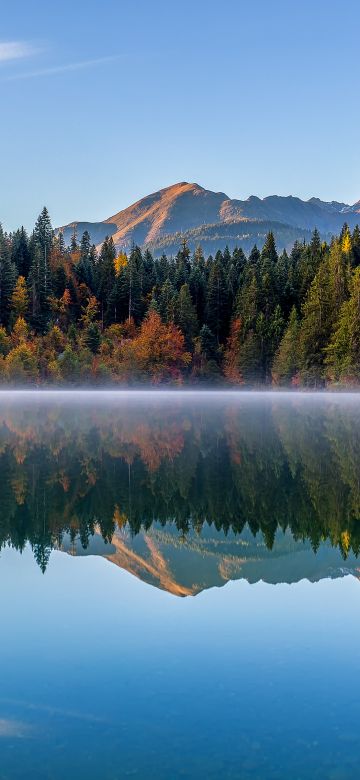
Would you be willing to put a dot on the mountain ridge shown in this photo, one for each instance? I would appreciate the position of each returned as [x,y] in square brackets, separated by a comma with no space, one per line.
[184,207]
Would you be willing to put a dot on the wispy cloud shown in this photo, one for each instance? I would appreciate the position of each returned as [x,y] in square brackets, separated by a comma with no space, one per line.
[15,50]
[53,71]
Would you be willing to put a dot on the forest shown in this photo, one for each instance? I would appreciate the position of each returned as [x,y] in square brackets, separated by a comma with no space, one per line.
[82,315]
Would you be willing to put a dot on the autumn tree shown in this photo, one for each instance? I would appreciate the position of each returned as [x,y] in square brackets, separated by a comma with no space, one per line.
[157,353]
[20,298]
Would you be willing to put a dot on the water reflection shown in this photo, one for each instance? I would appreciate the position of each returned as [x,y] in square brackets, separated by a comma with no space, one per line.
[185,491]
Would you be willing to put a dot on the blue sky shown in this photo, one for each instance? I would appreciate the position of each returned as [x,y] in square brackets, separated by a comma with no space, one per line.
[104,102]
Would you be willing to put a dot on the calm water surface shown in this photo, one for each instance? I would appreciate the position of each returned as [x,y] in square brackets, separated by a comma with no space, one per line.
[180,591]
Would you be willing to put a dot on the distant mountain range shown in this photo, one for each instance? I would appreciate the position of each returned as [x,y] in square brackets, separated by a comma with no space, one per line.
[161,220]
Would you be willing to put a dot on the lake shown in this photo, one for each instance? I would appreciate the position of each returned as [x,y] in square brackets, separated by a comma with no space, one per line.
[180,591]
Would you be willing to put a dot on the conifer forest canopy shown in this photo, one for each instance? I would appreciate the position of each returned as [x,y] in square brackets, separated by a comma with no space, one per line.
[86,315]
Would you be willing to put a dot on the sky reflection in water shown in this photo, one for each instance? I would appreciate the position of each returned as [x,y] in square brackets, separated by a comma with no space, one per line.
[106,674]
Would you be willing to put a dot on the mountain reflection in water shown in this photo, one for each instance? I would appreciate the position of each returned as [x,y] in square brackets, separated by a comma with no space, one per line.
[186,491]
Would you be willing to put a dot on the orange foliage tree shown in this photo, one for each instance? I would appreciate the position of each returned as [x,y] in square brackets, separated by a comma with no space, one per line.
[157,353]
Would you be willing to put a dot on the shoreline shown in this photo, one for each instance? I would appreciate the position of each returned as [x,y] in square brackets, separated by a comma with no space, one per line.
[174,392]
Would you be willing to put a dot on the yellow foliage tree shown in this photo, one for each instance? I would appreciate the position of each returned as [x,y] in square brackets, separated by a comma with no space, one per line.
[21,365]
[90,311]
[346,245]
[120,262]
[20,298]
[5,342]
[20,332]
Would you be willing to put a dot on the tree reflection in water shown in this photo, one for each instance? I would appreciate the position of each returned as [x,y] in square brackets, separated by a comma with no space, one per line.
[230,473]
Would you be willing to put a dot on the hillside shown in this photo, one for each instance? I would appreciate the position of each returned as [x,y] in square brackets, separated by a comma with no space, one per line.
[161,219]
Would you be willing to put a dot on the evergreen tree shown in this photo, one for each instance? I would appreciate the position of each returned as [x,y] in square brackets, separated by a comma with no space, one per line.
[39,289]
[269,249]
[254,256]
[59,281]
[85,268]
[167,302]
[217,310]
[74,242]
[85,246]
[20,252]
[185,316]
[197,286]
[147,275]
[316,327]
[287,358]
[92,337]
[105,278]
[343,352]
[40,272]
[134,284]
[356,247]
[182,265]
[7,279]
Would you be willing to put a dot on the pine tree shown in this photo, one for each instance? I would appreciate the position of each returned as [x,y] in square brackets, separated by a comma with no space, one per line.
[148,278]
[74,242]
[185,316]
[287,358]
[61,244]
[235,275]
[167,302]
[197,286]
[315,327]
[85,268]
[208,343]
[105,278]
[20,252]
[85,246]
[118,304]
[269,249]
[254,256]
[7,279]
[92,337]
[40,273]
[40,289]
[355,240]
[217,308]
[132,273]
[43,232]
[343,352]
[161,270]
[232,353]
[327,293]
[182,265]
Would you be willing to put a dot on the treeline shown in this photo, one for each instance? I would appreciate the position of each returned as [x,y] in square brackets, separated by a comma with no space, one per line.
[73,471]
[77,315]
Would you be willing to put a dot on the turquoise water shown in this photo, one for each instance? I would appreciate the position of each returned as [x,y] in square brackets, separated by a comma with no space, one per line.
[179,586]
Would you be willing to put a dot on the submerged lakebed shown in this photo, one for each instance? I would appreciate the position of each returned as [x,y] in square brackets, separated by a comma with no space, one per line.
[180,585]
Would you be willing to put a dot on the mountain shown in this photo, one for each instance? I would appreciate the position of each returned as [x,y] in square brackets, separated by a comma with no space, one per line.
[212,219]
[185,566]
